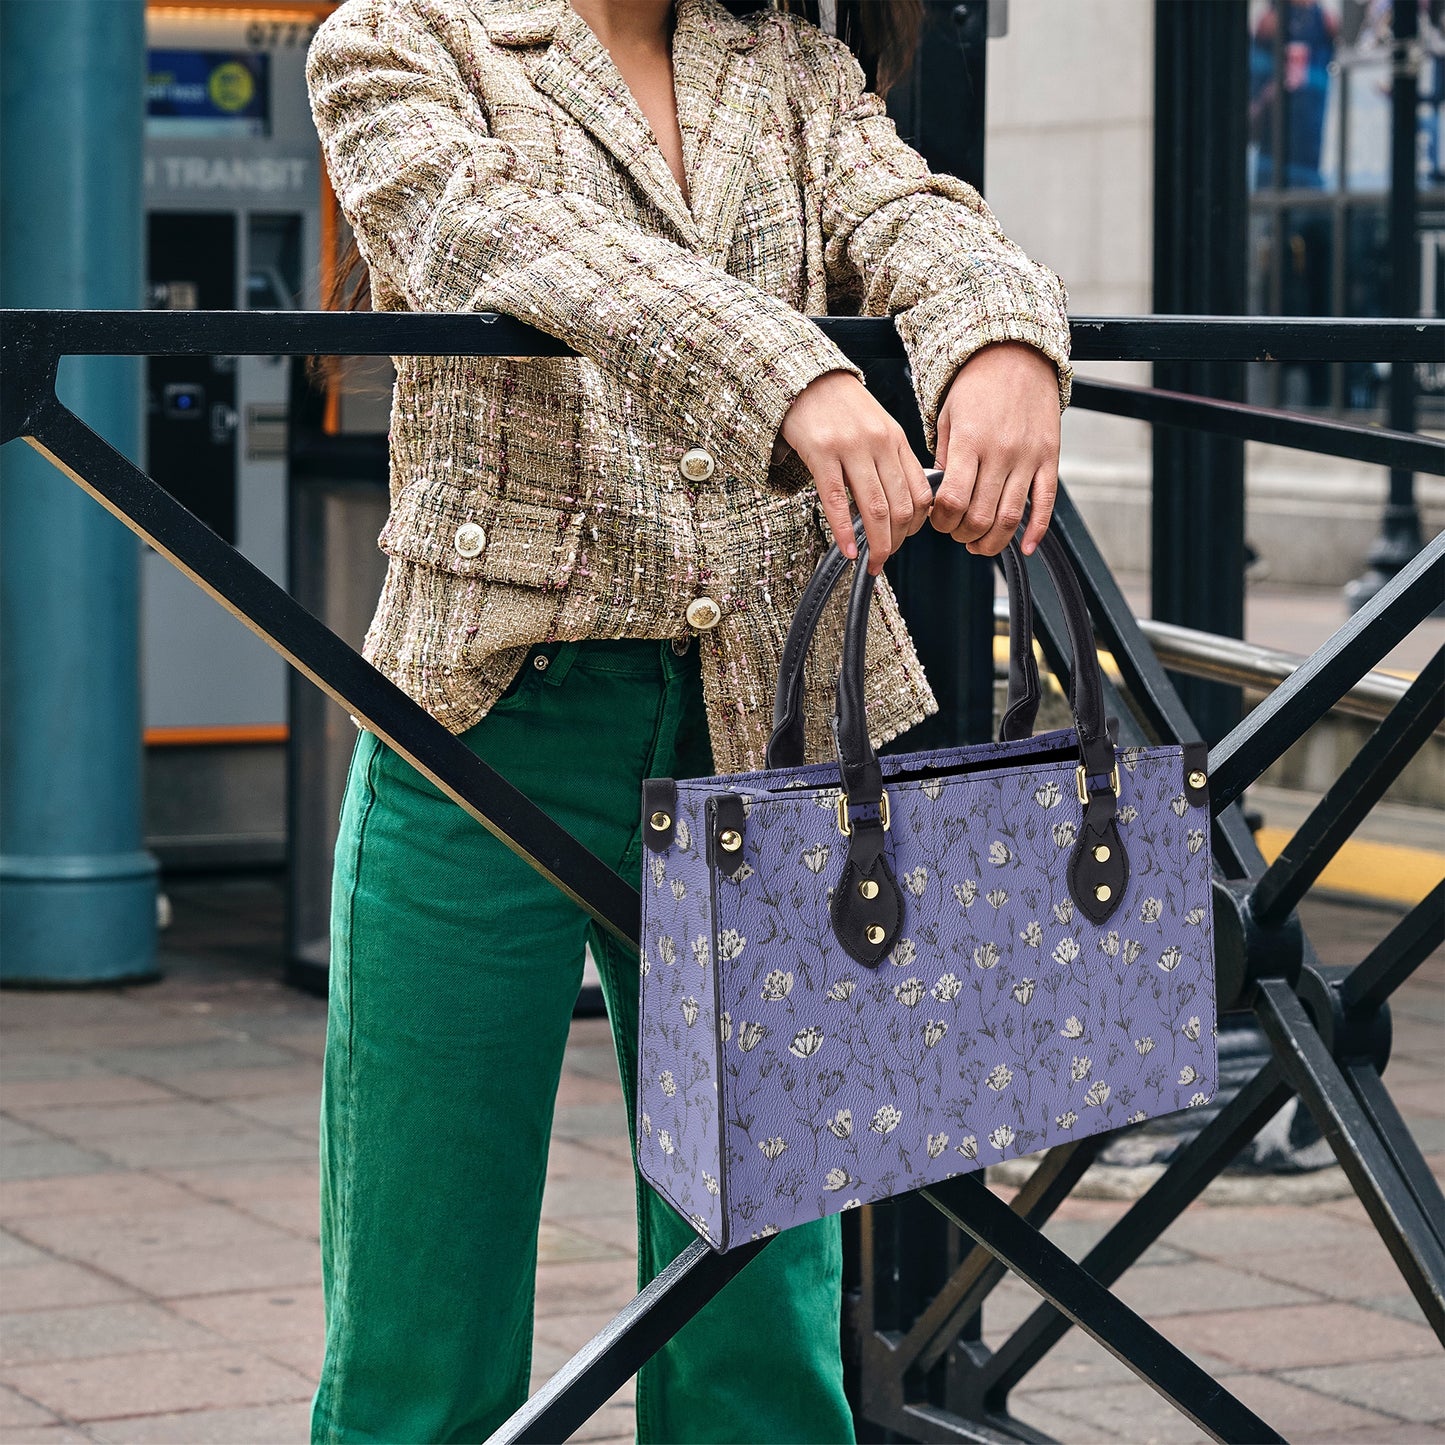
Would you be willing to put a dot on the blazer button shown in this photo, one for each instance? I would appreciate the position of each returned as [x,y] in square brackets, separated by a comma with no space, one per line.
[703,613]
[696,465]
[470,539]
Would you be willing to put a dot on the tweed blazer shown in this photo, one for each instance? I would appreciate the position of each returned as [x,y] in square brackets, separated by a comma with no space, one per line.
[489,157]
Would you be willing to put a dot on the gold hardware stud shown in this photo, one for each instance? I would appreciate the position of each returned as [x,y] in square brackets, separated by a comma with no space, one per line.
[731,840]
[1101,853]
[661,821]
[1103,893]
[1197,779]
[868,888]
[885,814]
[875,933]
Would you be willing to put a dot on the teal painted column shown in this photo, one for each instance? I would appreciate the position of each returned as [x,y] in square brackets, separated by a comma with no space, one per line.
[77,889]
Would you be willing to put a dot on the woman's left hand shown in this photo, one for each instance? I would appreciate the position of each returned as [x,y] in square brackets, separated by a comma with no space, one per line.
[998,444]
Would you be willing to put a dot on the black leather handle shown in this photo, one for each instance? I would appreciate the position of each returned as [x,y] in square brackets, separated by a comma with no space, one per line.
[786,745]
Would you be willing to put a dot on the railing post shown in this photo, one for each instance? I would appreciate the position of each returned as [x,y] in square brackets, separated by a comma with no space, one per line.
[77,889]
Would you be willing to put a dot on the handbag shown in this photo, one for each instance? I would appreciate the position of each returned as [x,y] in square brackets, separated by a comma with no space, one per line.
[865,976]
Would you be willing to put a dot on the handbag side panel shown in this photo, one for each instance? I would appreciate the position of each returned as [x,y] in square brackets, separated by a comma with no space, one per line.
[678,1111]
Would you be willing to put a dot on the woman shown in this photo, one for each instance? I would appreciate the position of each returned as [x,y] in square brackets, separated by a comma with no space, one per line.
[593,561]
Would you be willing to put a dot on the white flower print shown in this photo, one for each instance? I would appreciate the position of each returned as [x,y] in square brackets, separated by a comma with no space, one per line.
[684,835]
[1064,912]
[999,853]
[965,892]
[1145,1045]
[772,1147]
[698,1223]
[886,1120]
[1130,758]
[1179,805]
[806,1042]
[999,1078]
[1194,840]
[1191,1029]
[1047,795]
[751,1035]
[744,870]
[1072,1028]
[835,1179]
[647,1124]
[916,880]
[1110,943]
[1150,910]
[968,1146]
[1081,1067]
[1132,949]
[937,1143]
[842,990]
[840,1126]
[667,950]
[1067,1119]
[664,1141]
[766,1232]
[679,889]
[933,1032]
[1128,813]
[725,1027]
[932,788]
[909,992]
[1097,1093]
[1194,917]
[1064,834]
[700,950]
[645,966]
[903,953]
[1188,1074]
[668,1083]
[1198,1099]
[1024,990]
[1033,934]
[689,1011]
[1169,959]
[852,1203]
[658,867]
[777,985]
[709,1182]
[997,896]
[730,944]
[816,857]
[947,988]
[1137,1117]
[987,955]
[828,799]
[1001,1137]
[1065,951]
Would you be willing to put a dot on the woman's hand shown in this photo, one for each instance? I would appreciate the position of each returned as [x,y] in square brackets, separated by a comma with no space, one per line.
[998,443]
[851,445]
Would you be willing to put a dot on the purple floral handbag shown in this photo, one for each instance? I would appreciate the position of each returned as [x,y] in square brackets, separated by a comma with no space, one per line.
[955,957]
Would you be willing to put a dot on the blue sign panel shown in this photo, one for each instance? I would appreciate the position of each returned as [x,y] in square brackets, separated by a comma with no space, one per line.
[208,93]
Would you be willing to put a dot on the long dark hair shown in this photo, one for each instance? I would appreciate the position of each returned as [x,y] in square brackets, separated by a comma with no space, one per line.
[883,34]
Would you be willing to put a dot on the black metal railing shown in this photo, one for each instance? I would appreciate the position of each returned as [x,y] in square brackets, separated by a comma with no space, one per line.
[919,1366]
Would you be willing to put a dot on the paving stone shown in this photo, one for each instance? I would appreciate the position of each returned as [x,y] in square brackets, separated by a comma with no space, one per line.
[296,1216]
[302,1355]
[1400,1306]
[15,1252]
[118,1385]
[586,1285]
[1410,1389]
[557,1244]
[567,1333]
[1106,1413]
[1403,1432]
[238,1144]
[1227,1232]
[56,1283]
[568,1197]
[95,1124]
[114,1241]
[143,1030]
[257,1316]
[91,1330]
[1176,1289]
[90,1194]
[296,1112]
[569,1159]
[220,1053]
[582,1121]
[1294,1335]
[24,1096]
[576,1088]
[45,1159]
[617,1230]
[1076,1237]
[247,1083]
[1350,1272]
[14,1130]
[245,1182]
[257,1425]
[16,1411]
[285,1263]
[30,1063]
[1300,1414]
[45,1435]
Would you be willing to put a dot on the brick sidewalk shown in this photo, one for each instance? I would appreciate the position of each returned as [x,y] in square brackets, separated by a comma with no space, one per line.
[161,1279]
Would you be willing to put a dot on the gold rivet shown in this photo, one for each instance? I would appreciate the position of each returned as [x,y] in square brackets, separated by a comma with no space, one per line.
[1197,779]
[660,821]
[1101,853]
[868,888]
[1103,893]
[875,933]
[731,840]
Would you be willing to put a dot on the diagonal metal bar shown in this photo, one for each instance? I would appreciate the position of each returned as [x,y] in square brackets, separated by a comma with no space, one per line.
[1041,1264]
[1350,797]
[607,1361]
[311,647]
[1375,445]
[1296,704]
[1396,956]
[1385,1118]
[1367,1163]
[1196,1164]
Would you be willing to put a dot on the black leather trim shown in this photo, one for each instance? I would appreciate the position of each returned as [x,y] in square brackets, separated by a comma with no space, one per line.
[1196,760]
[852,914]
[725,814]
[1021,707]
[1086,873]
[659,795]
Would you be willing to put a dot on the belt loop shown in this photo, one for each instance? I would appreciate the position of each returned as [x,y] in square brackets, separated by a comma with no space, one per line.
[563,655]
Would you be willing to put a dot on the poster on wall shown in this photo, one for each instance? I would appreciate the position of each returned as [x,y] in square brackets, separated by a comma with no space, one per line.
[208,94]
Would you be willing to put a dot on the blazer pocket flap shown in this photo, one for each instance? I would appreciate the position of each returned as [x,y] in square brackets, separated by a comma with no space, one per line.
[528,543]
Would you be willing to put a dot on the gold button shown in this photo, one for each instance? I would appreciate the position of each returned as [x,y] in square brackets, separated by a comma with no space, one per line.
[703,613]
[696,465]
[731,840]
[1103,893]
[1197,780]
[660,821]
[868,888]
[875,933]
[1101,853]
[470,539]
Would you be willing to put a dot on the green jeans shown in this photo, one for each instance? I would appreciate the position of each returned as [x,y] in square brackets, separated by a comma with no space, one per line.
[454,969]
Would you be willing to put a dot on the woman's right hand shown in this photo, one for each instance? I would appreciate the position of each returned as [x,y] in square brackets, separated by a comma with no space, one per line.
[851,445]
